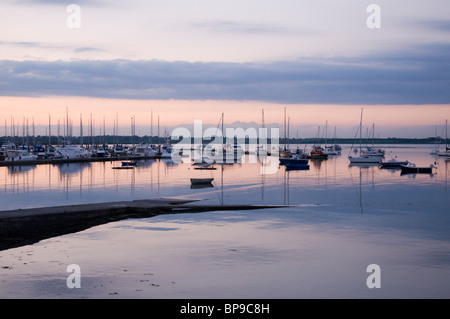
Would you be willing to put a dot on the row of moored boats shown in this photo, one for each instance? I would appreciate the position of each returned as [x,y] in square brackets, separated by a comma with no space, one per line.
[11,152]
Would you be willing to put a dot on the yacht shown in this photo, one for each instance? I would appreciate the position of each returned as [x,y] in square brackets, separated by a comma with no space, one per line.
[144,150]
[373,152]
[19,155]
[329,150]
[120,150]
[166,151]
[99,151]
[73,152]
[317,152]
[364,157]
[8,146]
[39,150]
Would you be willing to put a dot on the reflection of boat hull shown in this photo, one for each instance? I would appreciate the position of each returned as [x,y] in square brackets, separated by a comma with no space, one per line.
[201,181]
[414,169]
[297,166]
[197,186]
[446,153]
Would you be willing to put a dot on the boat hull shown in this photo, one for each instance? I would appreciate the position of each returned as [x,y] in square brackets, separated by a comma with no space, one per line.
[297,166]
[129,163]
[364,159]
[393,164]
[416,170]
[286,161]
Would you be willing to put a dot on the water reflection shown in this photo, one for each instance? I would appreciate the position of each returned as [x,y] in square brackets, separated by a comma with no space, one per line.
[344,218]
[328,181]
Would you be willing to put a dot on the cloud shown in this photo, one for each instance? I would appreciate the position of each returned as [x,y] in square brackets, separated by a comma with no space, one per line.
[438,25]
[235,27]
[59,2]
[86,49]
[416,76]
[49,45]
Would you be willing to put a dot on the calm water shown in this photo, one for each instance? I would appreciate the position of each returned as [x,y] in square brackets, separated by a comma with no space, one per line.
[343,218]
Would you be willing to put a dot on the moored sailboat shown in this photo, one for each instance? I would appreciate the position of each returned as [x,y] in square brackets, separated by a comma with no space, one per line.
[412,168]
[363,158]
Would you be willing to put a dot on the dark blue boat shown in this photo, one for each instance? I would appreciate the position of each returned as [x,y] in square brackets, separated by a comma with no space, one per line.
[293,160]
[412,168]
[297,166]
[132,163]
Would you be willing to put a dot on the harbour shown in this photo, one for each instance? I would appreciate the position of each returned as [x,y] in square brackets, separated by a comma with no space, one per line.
[237,156]
[306,230]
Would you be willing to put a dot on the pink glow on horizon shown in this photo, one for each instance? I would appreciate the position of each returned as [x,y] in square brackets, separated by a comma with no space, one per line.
[178,112]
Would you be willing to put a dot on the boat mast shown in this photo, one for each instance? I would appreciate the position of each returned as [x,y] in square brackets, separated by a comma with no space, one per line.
[49,130]
[446,138]
[360,131]
[81,130]
[285,128]
[263,128]
[373,135]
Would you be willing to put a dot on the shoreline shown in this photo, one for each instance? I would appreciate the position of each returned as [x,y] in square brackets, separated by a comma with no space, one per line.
[22,227]
[75,160]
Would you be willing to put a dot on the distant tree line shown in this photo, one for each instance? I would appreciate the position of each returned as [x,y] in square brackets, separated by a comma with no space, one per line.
[110,139]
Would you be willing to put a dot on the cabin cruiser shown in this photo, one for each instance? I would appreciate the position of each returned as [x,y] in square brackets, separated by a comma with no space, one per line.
[39,151]
[393,162]
[329,150]
[73,152]
[166,151]
[19,155]
[120,150]
[317,152]
[99,151]
[8,146]
[144,150]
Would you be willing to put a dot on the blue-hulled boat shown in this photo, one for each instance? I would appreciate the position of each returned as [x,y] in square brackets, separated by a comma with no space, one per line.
[131,163]
[291,166]
[293,160]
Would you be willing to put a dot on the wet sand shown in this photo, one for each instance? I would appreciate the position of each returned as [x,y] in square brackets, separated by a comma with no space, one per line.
[27,226]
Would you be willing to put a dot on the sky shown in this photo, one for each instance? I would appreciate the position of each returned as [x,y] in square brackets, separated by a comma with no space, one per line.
[182,60]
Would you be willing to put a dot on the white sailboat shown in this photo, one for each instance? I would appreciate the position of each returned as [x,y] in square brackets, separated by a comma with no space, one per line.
[446,151]
[363,158]
[328,150]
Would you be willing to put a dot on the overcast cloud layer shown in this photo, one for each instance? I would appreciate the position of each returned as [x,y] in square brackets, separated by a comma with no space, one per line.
[420,75]
[313,51]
